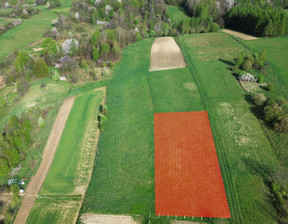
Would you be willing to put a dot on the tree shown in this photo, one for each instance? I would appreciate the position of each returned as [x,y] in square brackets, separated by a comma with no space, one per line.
[272,112]
[49,46]
[95,37]
[23,62]
[282,126]
[95,54]
[22,86]
[40,68]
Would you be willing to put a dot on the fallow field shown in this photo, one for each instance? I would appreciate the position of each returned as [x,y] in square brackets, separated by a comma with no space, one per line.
[123,176]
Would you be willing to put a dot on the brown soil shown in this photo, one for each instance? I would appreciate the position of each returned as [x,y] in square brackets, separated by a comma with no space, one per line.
[185,222]
[240,35]
[89,218]
[166,54]
[37,49]
[2,83]
[37,181]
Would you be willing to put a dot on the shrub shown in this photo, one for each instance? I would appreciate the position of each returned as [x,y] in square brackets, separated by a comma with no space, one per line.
[247,65]
[270,87]
[259,99]
[260,78]
[272,112]
[55,75]
[95,54]
[83,63]
[282,126]
[40,68]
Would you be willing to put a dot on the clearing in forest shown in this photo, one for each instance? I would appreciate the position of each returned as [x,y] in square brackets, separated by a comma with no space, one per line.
[240,35]
[188,179]
[166,54]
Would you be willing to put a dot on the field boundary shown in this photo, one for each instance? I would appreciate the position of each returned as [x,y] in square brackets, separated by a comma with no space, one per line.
[243,36]
[48,155]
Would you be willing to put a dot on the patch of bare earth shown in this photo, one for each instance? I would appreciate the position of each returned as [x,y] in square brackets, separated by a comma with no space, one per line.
[2,83]
[240,35]
[89,218]
[48,155]
[185,222]
[166,54]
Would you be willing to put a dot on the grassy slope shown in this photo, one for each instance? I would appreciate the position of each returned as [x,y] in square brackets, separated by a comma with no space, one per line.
[277,53]
[244,152]
[177,14]
[28,32]
[123,178]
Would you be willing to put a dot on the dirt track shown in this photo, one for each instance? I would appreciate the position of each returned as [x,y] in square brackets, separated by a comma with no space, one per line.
[166,54]
[37,181]
[240,35]
[106,219]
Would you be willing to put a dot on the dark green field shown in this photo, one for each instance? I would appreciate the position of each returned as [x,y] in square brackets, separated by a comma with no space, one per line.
[123,178]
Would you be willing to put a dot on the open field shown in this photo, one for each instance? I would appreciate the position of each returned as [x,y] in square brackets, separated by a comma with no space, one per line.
[123,178]
[188,179]
[240,35]
[166,54]
[48,155]
[63,190]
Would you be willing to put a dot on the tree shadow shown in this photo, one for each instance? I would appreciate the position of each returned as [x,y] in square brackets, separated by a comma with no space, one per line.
[226,62]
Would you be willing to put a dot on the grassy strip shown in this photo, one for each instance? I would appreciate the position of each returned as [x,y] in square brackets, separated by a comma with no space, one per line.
[64,169]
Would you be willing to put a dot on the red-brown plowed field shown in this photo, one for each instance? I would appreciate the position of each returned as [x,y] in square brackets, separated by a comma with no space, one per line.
[188,179]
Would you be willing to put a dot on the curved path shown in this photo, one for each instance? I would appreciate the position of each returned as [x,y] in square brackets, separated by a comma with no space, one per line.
[48,155]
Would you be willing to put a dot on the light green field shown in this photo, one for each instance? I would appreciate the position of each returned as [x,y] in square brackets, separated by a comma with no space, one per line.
[54,210]
[177,14]
[123,178]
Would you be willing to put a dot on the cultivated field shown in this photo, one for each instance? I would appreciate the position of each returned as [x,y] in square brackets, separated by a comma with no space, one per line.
[107,219]
[240,35]
[166,54]
[70,171]
[48,155]
[123,178]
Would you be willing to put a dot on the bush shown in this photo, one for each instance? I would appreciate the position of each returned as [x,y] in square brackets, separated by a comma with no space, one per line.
[40,68]
[260,79]
[273,112]
[55,75]
[83,63]
[270,87]
[259,99]
[282,126]
[247,65]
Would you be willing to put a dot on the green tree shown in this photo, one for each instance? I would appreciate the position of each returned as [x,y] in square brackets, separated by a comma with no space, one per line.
[95,53]
[40,68]
[49,46]
[22,86]
[95,37]
[23,62]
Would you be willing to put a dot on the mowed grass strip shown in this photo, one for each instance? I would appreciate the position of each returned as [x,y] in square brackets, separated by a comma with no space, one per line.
[64,170]
[123,177]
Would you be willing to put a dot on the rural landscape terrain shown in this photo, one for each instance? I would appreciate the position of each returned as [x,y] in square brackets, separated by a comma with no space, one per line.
[144,111]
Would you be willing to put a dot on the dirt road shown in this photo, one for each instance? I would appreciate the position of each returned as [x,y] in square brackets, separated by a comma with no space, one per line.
[166,54]
[48,155]
[240,35]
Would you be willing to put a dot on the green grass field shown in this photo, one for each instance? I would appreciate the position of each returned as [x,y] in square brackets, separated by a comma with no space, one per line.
[177,14]
[123,178]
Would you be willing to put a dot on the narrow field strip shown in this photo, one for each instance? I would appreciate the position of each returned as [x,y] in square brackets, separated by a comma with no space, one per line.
[240,35]
[166,54]
[90,218]
[37,181]
[64,188]
[188,179]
